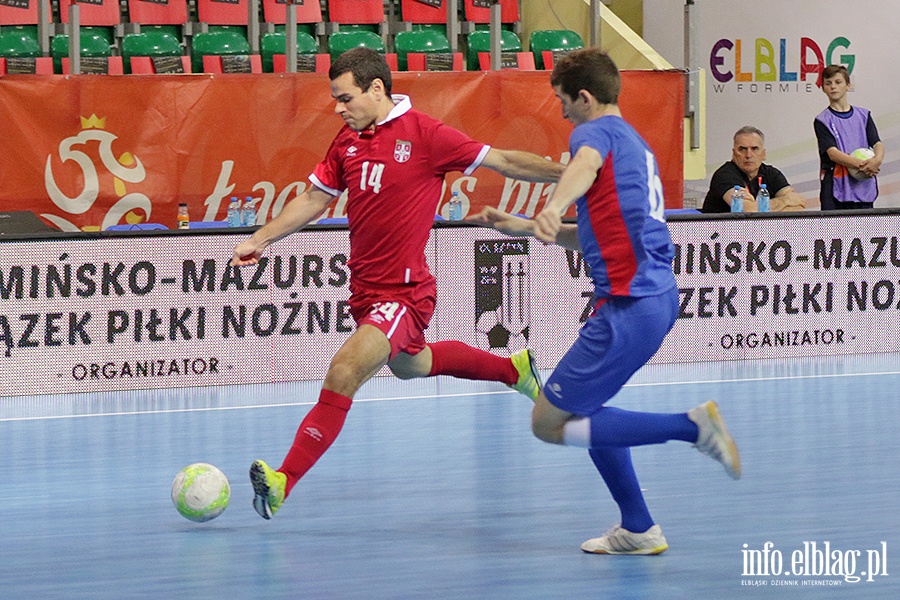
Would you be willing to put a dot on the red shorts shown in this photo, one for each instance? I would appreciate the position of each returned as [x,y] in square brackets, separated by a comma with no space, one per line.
[402,315]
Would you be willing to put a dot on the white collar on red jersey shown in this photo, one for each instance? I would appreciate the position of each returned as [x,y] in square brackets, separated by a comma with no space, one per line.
[402,104]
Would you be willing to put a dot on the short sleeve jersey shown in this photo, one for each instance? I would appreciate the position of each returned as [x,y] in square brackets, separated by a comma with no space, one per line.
[393,177]
[621,218]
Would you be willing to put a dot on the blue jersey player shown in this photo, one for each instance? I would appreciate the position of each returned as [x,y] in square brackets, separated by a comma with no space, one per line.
[614,182]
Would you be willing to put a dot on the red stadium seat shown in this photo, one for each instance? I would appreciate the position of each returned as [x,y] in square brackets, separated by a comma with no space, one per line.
[113,64]
[104,14]
[420,13]
[213,63]
[21,15]
[147,12]
[145,65]
[509,11]
[323,63]
[223,13]
[418,61]
[276,12]
[523,61]
[43,65]
[355,12]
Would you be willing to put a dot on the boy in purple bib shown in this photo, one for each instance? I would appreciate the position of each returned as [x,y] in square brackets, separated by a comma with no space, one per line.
[841,129]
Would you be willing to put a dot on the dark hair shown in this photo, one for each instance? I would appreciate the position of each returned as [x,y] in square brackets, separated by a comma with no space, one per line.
[366,66]
[832,70]
[589,69]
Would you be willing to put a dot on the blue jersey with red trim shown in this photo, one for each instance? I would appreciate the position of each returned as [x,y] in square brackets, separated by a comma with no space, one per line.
[621,218]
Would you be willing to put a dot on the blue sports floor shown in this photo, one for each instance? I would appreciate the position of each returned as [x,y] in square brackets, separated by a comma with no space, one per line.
[436,489]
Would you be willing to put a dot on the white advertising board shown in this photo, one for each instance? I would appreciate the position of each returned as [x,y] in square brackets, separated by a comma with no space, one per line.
[112,313]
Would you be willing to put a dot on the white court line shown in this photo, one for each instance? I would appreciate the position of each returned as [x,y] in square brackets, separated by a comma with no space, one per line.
[429,396]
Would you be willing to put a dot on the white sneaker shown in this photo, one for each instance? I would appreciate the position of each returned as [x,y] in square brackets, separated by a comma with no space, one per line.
[714,439]
[622,541]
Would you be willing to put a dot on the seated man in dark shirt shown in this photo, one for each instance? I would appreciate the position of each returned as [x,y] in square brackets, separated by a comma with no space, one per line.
[747,170]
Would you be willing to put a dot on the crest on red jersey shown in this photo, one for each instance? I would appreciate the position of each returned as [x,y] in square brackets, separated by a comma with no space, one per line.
[402,151]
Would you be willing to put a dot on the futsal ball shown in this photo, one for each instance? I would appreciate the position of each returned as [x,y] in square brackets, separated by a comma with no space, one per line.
[200,492]
[861,154]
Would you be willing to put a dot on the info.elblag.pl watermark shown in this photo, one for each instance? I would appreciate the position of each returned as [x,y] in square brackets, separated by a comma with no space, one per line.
[813,563]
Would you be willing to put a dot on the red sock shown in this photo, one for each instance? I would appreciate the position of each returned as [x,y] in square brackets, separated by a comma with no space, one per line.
[316,433]
[463,361]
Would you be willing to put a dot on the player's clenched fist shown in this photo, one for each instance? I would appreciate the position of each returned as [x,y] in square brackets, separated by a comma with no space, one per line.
[546,226]
[246,253]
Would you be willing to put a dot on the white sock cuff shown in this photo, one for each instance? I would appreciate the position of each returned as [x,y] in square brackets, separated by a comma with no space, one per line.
[577,432]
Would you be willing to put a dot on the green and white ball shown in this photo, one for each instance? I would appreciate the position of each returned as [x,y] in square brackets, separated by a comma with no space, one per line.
[200,492]
[861,154]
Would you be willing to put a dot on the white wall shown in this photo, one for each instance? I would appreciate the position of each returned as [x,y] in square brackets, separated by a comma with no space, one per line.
[784,108]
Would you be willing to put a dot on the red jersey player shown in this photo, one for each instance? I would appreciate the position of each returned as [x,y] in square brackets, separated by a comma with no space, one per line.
[392,160]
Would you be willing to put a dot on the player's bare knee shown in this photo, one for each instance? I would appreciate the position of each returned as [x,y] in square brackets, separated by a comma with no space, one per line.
[405,366]
[404,372]
[546,431]
[343,377]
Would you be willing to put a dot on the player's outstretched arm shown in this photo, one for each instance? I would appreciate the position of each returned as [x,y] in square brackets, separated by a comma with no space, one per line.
[520,227]
[503,222]
[298,213]
[526,166]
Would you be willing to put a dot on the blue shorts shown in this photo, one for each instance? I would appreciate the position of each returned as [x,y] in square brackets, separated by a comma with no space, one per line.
[617,340]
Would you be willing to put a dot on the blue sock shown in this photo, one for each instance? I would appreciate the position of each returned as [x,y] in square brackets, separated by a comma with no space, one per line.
[620,428]
[617,471]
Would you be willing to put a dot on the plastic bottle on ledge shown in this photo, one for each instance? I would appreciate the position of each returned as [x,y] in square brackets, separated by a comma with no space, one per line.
[737,200]
[248,213]
[762,199]
[455,209]
[184,221]
[234,212]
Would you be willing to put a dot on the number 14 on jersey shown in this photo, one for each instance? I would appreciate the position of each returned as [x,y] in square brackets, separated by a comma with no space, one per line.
[371,176]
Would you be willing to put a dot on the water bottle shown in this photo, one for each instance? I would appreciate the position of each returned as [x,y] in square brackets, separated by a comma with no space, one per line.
[762,199]
[184,221]
[455,211]
[248,213]
[234,212]
[737,200]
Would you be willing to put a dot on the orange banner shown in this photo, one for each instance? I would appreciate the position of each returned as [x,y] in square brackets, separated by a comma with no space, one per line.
[88,152]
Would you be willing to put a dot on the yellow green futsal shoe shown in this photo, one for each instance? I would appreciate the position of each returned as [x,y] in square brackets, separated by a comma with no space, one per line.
[529,383]
[268,489]
[714,439]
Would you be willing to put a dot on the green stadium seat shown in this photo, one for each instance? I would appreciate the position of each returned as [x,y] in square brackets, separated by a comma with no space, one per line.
[480,41]
[341,41]
[94,44]
[30,31]
[425,41]
[554,42]
[21,53]
[217,42]
[276,43]
[149,43]
[18,44]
